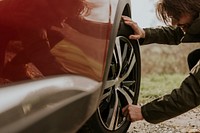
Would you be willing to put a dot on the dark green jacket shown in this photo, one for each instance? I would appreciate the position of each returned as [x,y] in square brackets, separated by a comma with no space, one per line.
[188,95]
[171,35]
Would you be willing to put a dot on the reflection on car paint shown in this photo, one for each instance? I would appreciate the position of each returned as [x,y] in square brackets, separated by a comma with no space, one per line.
[53,40]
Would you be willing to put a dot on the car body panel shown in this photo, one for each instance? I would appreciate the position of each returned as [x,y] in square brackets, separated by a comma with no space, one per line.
[77,33]
[38,101]
[80,41]
[87,54]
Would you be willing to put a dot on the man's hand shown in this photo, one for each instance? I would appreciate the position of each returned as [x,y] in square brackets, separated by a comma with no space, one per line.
[132,112]
[138,32]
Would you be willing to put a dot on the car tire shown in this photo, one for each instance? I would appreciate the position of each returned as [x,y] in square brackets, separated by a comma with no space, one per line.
[122,86]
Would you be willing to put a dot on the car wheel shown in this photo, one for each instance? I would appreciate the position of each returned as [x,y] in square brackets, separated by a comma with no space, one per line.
[121,88]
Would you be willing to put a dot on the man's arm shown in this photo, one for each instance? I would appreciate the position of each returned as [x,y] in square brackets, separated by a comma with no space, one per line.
[163,35]
[179,101]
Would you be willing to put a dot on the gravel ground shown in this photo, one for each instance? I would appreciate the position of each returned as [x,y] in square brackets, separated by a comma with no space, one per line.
[186,123]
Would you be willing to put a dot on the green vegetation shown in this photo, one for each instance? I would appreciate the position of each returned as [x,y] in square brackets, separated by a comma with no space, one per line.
[156,85]
[164,67]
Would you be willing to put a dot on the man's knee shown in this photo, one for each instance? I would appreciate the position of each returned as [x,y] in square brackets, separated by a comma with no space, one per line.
[193,58]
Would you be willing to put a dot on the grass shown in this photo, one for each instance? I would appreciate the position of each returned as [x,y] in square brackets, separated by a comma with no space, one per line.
[156,85]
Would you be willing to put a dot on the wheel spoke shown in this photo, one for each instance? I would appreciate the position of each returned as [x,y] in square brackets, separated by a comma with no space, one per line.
[125,52]
[107,93]
[128,83]
[109,83]
[128,94]
[118,54]
[112,117]
[129,69]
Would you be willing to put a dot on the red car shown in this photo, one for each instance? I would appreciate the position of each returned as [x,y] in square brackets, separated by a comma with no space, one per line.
[66,66]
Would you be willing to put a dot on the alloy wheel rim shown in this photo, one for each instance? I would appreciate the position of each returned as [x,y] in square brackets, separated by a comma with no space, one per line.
[117,92]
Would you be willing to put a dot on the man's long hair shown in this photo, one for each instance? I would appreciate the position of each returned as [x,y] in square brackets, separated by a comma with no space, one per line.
[176,8]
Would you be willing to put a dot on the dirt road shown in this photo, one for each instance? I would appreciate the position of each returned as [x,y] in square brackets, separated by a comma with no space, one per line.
[186,123]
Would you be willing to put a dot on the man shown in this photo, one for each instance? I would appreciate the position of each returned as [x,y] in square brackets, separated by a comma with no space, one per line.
[185,20]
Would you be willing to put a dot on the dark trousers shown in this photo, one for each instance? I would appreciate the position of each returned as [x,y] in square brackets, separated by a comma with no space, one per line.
[193,58]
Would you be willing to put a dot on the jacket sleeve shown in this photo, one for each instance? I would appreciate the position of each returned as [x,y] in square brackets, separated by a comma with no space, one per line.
[179,101]
[163,35]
